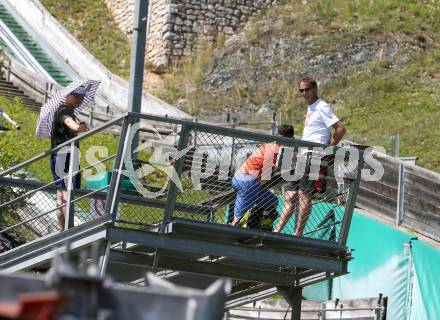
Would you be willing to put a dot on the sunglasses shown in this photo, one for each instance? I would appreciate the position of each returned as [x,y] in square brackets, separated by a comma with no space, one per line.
[305,89]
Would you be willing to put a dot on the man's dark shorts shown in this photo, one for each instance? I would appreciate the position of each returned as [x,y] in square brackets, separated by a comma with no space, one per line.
[303,184]
[61,184]
[312,186]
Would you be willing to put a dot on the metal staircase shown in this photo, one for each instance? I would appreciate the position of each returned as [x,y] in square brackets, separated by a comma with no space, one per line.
[33,47]
[9,90]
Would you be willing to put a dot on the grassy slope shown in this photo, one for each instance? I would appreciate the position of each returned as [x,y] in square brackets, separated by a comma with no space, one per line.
[373,103]
[91,23]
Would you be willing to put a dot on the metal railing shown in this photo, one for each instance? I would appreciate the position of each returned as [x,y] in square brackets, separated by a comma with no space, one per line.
[30,207]
[191,180]
[8,70]
[363,308]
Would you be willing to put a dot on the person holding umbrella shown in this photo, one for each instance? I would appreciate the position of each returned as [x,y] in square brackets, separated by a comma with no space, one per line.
[58,120]
[66,125]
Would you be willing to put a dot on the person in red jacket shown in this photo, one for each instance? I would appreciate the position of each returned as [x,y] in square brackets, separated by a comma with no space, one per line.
[246,181]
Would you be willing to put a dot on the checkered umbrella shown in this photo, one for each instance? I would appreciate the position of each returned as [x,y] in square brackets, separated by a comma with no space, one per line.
[44,123]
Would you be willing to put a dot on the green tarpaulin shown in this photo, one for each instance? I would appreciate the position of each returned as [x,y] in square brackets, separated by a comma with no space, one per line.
[387,261]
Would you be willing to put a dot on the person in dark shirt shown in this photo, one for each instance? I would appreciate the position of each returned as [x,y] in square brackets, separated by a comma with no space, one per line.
[65,126]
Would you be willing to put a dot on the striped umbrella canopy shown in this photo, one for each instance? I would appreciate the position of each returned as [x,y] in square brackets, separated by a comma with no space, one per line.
[44,123]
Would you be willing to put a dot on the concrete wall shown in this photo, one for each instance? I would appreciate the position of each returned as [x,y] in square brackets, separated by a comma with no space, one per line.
[123,12]
[158,38]
[176,25]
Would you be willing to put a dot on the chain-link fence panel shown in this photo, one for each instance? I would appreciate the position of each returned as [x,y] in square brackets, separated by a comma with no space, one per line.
[35,194]
[287,186]
[202,173]
[32,208]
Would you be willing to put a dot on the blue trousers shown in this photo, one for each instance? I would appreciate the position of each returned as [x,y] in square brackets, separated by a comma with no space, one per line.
[249,193]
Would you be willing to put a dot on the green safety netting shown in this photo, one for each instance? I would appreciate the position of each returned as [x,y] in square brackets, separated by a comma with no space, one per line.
[387,261]
[427,268]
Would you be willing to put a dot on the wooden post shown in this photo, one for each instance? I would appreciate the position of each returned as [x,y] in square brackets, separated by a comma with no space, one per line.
[8,69]
[395,141]
[400,194]
[273,129]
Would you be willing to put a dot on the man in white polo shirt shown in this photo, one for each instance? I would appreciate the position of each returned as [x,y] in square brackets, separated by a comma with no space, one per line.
[320,117]
[317,128]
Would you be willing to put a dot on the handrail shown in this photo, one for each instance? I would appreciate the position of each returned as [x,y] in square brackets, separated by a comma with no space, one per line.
[164,130]
[190,201]
[6,63]
[10,70]
[239,133]
[204,127]
[67,143]
[45,93]
[21,51]
[85,193]
[372,308]
[51,210]
[53,182]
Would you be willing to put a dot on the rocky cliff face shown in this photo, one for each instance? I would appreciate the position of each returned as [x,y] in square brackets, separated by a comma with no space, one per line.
[268,67]
[257,68]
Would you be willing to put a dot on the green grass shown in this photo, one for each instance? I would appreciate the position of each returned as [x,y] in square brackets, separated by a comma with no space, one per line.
[374,100]
[362,16]
[92,24]
[19,145]
[184,81]
[404,100]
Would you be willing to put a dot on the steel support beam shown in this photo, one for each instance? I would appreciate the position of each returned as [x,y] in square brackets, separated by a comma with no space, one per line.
[137,61]
[40,251]
[194,229]
[104,256]
[112,200]
[246,253]
[345,227]
[250,297]
[204,267]
[172,192]
[73,166]
[293,296]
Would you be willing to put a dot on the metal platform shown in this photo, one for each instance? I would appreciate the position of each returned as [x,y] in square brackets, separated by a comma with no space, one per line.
[181,235]
[40,252]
